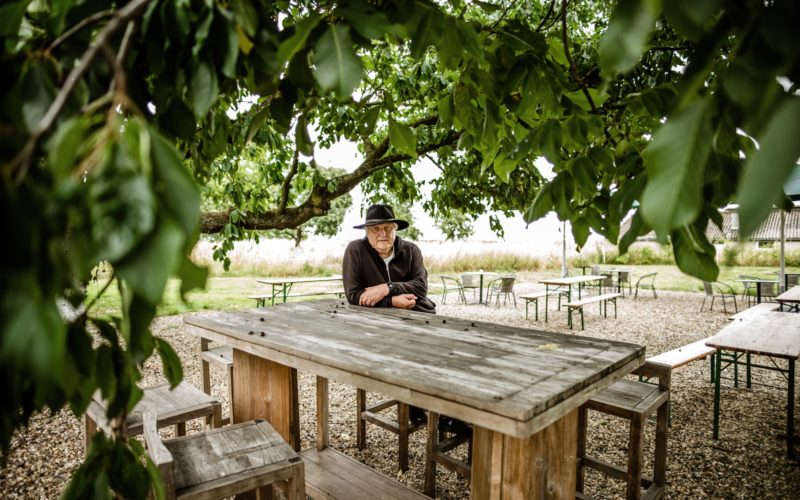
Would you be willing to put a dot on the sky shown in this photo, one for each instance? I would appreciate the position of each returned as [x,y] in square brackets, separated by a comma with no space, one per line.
[543,235]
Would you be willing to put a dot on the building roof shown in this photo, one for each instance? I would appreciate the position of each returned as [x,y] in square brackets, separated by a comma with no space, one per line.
[768,230]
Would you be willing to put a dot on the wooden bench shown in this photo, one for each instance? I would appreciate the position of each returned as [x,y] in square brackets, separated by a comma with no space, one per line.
[534,297]
[330,474]
[261,299]
[756,310]
[602,300]
[684,355]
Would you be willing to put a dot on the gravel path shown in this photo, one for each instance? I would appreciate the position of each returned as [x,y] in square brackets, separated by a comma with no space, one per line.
[748,461]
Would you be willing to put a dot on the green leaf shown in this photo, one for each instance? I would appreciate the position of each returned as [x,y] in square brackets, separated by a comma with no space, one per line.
[541,206]
[122,212]
[175,187]
[766,171]
[549,139]
[147,269]
[583,171]
[281,111]
[402,138]
[694,254]
[580,100]
[337,66]
[470,42]
[246,16]
[292,45]
[690,17]
[256,122]
[65,146]
[370,119]
[445,109]
[449,45]
[201,34]
[204,87]
[623,42]
[675,161]
[192,276]
[555,47]
[368,22]
[426,28]
[637,228]
[580,230]
[178,120]
[11,17]
[304,143]
[173,370]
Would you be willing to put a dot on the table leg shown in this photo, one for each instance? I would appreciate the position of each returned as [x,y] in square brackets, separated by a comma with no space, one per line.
[790,412]
[480,290]
[717,377]
[546,296]
[540,466]
[268,390]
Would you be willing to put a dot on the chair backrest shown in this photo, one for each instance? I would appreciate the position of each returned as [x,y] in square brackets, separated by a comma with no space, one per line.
[767,289]
[624,276]
[708,288]
[792,279]
[470,280]
[507,284]
[608,280]
[595,270]
[450,282]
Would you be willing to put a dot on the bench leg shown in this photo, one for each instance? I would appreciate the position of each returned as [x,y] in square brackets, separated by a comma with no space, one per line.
[581,309]
[361,424]
[536,305]
[569,317]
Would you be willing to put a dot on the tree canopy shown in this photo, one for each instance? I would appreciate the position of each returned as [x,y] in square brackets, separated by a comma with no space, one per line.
[127,128]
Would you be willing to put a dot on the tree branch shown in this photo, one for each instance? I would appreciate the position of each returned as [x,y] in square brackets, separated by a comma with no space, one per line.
[120,18]
[287,181]
[546,15]
[82,24]
[572,69]
[319,200]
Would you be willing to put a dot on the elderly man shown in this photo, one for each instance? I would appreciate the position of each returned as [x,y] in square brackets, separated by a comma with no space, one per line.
[382,270]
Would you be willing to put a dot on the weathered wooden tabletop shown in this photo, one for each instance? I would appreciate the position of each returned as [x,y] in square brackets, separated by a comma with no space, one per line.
[770,334]
[511,380]
[791,295]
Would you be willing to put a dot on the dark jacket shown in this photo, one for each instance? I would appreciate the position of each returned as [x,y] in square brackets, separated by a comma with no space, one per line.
[362,267]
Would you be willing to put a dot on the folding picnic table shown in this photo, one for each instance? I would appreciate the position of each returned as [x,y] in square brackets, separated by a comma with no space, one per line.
[768,333]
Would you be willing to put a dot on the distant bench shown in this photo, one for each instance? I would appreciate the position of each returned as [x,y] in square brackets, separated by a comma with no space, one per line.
[534,297]
[261,299]
[602,299]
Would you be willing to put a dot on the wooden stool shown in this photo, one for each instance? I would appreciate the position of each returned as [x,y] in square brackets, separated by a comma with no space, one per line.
[172,407]
[402,427]
[439,443]
[635,401]
[219,356]
[225,461]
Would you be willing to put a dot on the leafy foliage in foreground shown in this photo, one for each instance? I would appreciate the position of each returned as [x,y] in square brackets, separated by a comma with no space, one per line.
[112,115]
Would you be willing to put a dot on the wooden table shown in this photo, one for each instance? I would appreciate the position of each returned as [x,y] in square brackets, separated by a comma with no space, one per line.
[790,298]
[480,288]
[768,333]
[520,388]
[567,282]
[282,286]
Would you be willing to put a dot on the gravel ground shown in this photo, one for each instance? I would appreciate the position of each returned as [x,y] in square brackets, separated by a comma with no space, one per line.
[747,462]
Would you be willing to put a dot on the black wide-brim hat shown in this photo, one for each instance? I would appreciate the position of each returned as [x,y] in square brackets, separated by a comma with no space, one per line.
[381,214]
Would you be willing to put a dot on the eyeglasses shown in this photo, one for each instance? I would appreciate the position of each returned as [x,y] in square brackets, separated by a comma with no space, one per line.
[382,228]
